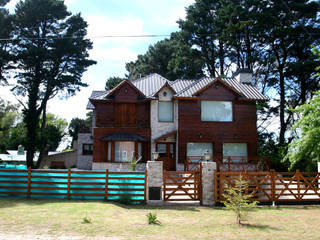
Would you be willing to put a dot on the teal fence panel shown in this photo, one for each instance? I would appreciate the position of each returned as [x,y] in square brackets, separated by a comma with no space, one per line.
[66,184]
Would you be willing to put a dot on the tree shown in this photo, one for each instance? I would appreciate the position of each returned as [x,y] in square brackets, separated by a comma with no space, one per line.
[172,58]
[5,33]
[238,200]
[76,125]
[51,54]
[113,82]
[304,151]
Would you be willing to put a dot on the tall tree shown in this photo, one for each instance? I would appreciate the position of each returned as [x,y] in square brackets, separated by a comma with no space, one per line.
[52,54]
[171,58]
[5,33]
[113,82]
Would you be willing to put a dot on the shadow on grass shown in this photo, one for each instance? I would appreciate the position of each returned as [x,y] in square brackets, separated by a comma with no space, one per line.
[155,207]
[259,226]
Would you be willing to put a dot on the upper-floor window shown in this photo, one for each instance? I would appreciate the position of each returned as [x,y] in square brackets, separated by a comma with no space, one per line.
[216,111]
[165,111]
[87,149]
[125,114]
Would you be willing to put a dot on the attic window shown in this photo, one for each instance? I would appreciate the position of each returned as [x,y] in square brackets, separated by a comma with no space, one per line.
[126,90]
[164,94]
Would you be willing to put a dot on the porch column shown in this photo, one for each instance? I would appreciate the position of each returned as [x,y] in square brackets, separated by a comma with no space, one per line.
[154,182]
[208,169]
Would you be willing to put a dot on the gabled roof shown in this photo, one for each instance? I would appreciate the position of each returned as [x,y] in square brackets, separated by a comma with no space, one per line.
[150,85]
[166,84]
[120,85]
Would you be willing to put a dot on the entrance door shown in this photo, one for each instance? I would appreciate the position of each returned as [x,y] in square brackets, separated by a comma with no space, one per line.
[167,155]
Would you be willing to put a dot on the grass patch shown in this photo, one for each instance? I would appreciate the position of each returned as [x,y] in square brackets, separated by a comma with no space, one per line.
[51,218]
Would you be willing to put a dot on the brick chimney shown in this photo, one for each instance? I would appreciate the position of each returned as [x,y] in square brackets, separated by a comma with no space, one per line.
[243,75]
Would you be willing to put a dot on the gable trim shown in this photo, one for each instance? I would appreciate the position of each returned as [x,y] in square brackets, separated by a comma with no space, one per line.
[166,84]
[114,90]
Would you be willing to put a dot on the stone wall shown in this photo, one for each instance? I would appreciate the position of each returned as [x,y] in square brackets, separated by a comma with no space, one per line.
[208,169]
[155,179]
[84,161]
[117,166]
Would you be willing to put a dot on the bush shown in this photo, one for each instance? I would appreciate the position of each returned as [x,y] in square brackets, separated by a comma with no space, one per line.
[152,218]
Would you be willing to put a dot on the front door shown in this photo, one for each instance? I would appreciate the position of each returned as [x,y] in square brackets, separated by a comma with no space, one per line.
[167,155]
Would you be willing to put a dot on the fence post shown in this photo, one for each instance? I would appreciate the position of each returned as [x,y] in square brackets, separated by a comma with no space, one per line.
[297,175]
[69,176]
[106,185]
[272,181]
[145,185]
[29,183]
[199,187]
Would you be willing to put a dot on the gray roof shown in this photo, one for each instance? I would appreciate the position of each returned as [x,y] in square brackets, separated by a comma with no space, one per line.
[152,83]
[95,95]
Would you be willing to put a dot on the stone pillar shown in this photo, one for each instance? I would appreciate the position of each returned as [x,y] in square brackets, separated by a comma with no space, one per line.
[208,169]
[155,182]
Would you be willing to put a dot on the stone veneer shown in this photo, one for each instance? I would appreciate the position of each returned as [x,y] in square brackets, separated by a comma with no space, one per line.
[155,179]
[208,169]
[161,128]
[84,161]
[117,166]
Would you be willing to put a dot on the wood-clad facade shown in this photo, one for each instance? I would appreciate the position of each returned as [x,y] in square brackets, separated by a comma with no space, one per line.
[128,121]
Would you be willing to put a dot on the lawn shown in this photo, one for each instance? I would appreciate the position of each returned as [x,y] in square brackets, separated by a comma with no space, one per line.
[62,219]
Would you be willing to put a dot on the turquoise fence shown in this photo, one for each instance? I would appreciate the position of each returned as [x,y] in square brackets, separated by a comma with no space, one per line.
[68,184]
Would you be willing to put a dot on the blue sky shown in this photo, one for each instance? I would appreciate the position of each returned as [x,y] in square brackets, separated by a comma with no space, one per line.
[114,17]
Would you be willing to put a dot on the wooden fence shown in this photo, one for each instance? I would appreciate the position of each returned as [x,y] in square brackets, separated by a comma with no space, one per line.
[107,185]
[273,186]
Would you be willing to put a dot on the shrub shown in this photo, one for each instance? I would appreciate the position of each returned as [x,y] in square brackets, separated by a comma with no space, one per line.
[152,218]
[237,200]
[86,219]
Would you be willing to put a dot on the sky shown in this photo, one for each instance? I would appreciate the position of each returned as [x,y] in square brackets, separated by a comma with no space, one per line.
[113,17]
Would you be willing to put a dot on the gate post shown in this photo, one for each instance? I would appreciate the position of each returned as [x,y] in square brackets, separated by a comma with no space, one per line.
[208,169]
[154,182]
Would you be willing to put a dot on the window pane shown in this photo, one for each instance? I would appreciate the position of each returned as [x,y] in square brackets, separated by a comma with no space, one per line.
[124,151]
[197,150]
[216,111]
[109,151]
[165,111]
[162,150]
[235,150]
[139,149]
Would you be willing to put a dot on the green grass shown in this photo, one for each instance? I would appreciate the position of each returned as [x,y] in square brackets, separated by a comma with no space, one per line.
[54,218]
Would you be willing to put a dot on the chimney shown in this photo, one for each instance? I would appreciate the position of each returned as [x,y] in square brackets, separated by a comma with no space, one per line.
[20,150]
[243,75]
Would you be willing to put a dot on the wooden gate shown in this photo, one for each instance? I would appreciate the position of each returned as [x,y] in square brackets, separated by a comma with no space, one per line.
[273,186]
[182,186]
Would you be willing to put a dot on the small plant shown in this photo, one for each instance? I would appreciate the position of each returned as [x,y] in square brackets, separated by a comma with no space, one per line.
[125,199]
[237,200]
[134,161]
[152,218]
[86,219]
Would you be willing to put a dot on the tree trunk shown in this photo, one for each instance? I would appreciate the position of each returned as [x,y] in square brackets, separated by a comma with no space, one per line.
[43,143]
[282,107]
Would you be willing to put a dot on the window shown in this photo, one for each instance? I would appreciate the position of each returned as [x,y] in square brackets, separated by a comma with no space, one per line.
[196,151]
[87,149]
[165,111]
[218,111]
[236,151]
[124,151]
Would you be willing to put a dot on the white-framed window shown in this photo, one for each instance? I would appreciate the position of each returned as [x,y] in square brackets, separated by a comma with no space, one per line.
[124,151]
[216,111]
[165,111]
[236,151]
[196,150]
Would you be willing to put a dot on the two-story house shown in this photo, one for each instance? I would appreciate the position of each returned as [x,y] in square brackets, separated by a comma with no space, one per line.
[181,120]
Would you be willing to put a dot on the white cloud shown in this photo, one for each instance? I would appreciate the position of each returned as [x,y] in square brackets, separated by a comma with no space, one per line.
[121,54]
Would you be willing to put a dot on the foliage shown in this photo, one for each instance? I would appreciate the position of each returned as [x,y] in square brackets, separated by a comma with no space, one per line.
[77,125]
[152,218]
[51,54]
[133,162]
[171,58]
[237,200]
[86,219]
[112,82]
[304,151]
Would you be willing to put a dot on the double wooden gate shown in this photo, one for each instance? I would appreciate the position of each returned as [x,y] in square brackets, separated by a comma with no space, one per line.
[182,186]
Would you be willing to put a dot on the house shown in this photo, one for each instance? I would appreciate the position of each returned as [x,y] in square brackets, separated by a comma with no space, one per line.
[184,121]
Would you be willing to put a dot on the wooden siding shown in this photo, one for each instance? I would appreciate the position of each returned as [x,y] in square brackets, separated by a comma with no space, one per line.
[242,129]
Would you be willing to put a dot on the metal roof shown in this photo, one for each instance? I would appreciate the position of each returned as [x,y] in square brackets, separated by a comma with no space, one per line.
[152,83]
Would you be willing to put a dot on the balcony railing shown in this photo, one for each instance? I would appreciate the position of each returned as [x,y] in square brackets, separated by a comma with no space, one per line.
[230,163]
